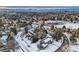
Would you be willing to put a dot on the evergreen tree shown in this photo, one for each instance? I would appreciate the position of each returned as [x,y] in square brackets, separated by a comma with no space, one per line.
[52,27]
[35,39]
[73,37]
[1,23]
[58,34]
[26,29]
[77,33]
[14,30]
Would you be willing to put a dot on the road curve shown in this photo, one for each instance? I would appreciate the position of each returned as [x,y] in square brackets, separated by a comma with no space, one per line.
[64,46]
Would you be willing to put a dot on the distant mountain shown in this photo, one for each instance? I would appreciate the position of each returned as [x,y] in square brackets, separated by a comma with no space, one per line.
[39,9]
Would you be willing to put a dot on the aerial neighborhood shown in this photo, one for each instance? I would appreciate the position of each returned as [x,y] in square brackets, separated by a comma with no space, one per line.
[39,31]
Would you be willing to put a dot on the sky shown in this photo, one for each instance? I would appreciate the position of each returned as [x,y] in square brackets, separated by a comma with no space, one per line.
[39,2]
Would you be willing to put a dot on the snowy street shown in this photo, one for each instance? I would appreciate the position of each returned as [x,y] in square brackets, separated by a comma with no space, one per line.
[33,47]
